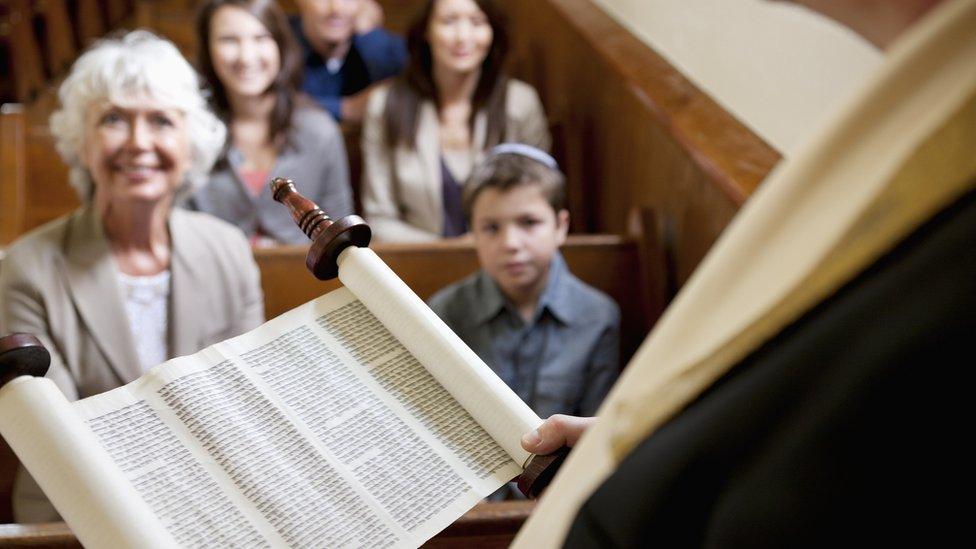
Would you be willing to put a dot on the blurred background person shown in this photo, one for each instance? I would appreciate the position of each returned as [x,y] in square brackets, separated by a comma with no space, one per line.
[127,281]
[423,134]
[345,51]
[253,65]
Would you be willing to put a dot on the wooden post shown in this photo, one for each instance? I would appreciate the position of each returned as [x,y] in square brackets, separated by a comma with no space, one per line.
[59,39]
[25,55]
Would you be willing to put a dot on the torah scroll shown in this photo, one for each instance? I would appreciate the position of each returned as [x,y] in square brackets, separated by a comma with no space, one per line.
[357,419]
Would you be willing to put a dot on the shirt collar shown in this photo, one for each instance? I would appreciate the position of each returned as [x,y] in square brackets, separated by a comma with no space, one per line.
[334,64]
[555,298]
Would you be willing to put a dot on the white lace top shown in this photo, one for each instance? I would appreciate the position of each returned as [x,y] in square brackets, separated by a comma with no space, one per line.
[147,306]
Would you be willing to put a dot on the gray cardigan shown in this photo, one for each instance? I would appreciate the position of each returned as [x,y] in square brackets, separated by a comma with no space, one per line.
[315,159]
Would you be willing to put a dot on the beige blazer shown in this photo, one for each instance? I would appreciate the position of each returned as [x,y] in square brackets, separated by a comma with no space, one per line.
[402,197]
[60,283]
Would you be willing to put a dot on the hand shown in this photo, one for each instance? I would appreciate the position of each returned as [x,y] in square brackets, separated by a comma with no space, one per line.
[370,16]
[554,433]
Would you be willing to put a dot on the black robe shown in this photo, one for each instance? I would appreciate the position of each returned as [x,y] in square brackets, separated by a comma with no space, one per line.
[846,428]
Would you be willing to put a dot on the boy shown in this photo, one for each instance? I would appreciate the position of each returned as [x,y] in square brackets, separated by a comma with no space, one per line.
[553,339]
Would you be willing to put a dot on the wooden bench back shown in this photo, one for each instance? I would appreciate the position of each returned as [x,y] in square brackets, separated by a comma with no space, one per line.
[609,263]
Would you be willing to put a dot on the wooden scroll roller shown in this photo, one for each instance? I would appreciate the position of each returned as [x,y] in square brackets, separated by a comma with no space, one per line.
[22,355]
[539,471]
[329,238]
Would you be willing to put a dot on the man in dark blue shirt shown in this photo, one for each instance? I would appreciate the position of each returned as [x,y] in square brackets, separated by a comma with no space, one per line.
[341,63]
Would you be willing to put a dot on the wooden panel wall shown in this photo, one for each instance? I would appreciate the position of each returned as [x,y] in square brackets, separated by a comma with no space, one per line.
[632,131]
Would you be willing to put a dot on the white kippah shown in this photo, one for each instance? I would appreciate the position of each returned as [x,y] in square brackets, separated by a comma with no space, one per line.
[527,151]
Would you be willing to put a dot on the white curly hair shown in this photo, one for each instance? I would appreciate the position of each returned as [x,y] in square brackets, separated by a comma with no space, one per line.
[138,62]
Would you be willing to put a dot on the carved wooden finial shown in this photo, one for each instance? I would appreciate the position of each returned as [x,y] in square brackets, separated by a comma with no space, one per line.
[309,217]
[540,471]
[22,355]
[329,237]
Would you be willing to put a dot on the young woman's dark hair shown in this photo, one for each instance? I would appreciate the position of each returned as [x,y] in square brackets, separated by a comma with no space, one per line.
[286,84]
[416,84]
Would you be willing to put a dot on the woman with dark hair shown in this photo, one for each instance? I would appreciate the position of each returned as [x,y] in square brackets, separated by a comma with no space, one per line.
[424,133]
[251,60]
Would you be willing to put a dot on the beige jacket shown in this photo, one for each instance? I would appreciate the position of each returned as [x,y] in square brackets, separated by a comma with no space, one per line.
[402,197]
[59,282]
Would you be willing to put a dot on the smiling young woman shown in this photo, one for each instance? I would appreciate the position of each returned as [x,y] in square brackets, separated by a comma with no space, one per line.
[423,134]
[251,60]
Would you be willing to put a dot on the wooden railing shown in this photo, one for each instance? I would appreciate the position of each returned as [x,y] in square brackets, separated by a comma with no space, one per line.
[632,130]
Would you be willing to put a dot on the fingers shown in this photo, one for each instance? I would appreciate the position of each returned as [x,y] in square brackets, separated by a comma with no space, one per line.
[557,431]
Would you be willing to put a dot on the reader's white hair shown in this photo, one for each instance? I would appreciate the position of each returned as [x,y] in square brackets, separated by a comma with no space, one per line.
[138,62]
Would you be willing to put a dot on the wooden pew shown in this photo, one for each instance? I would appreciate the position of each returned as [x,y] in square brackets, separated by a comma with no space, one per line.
[629,269]
[52,535]
[89,24]
[58,37]
[633,131]
[487,525]
[609,263]
[23,75]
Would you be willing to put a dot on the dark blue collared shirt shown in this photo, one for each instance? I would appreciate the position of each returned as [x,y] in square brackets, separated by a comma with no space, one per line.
[562,362]
[372,57]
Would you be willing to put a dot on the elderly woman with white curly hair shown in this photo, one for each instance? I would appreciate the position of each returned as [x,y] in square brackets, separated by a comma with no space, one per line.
[127,281]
